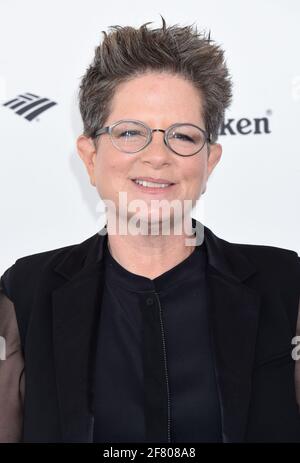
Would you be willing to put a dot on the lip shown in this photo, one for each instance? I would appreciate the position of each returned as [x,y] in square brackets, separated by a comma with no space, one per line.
[155,180]
[153,190]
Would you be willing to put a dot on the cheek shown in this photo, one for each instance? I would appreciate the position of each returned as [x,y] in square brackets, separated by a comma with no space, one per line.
[195,172]
[194,179]
[110,172]
[105,165]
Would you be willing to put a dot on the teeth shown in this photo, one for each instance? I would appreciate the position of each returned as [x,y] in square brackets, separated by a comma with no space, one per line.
[151,184]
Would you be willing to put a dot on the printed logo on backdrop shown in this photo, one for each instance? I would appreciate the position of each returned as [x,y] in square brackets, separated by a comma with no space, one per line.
[246,126]
[29,106]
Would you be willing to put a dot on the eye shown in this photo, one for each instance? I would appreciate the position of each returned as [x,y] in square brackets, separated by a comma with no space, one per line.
[129,133]
[182,136]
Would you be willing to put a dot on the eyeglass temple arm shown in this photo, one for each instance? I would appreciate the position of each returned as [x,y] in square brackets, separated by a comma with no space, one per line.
[101,131]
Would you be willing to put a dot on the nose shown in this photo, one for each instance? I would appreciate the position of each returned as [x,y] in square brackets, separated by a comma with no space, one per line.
[156,153]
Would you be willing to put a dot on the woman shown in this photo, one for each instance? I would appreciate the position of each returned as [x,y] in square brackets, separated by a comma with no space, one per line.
[138,334]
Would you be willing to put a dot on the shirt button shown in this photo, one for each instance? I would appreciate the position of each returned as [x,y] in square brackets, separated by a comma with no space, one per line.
[149,301]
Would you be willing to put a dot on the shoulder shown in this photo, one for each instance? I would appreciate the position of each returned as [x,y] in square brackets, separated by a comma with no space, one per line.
[268,253]
[274,263]
[34,275]
[269,260]
[275,278]
[27,270]
[272,272]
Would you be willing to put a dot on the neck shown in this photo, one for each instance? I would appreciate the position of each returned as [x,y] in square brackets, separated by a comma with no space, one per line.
[151,255]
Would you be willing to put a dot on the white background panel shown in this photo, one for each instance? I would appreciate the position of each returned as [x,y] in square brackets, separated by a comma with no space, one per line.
[46,198]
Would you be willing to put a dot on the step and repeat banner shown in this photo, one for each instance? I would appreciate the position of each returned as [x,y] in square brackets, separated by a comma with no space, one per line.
[46,200]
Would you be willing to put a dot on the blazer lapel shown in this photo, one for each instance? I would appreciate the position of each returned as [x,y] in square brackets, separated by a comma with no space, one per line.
[234,313]
[76,307]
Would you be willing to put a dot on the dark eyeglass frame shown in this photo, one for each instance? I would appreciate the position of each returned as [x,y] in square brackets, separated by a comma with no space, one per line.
[108,129]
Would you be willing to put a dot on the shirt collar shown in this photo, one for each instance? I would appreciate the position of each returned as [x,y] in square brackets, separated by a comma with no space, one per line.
[191,267]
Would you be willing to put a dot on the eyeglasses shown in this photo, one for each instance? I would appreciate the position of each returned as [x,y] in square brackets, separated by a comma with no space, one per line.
[132,136]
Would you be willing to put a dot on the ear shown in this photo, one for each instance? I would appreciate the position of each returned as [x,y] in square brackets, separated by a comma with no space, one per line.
[87,152]
[214,156]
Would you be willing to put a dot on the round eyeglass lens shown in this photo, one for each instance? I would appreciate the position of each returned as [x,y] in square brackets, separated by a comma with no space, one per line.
[129,136]
[186,139]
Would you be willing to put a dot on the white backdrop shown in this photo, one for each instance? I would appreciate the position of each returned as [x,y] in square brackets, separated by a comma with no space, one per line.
[46,200]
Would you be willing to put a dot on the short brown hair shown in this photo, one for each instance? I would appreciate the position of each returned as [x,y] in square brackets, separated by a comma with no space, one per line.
[127,52]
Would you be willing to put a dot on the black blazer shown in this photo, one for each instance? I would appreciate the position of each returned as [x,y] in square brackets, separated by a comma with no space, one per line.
[56,296]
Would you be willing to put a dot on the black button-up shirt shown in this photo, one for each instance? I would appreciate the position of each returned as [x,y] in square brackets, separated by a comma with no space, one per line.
[154,369]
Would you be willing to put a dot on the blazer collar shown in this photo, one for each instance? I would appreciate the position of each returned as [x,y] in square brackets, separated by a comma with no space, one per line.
[234,312]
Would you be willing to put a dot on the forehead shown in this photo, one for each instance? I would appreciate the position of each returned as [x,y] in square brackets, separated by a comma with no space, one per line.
[157,97]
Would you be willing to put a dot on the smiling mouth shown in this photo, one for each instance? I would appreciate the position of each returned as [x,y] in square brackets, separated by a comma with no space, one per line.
[152,187]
